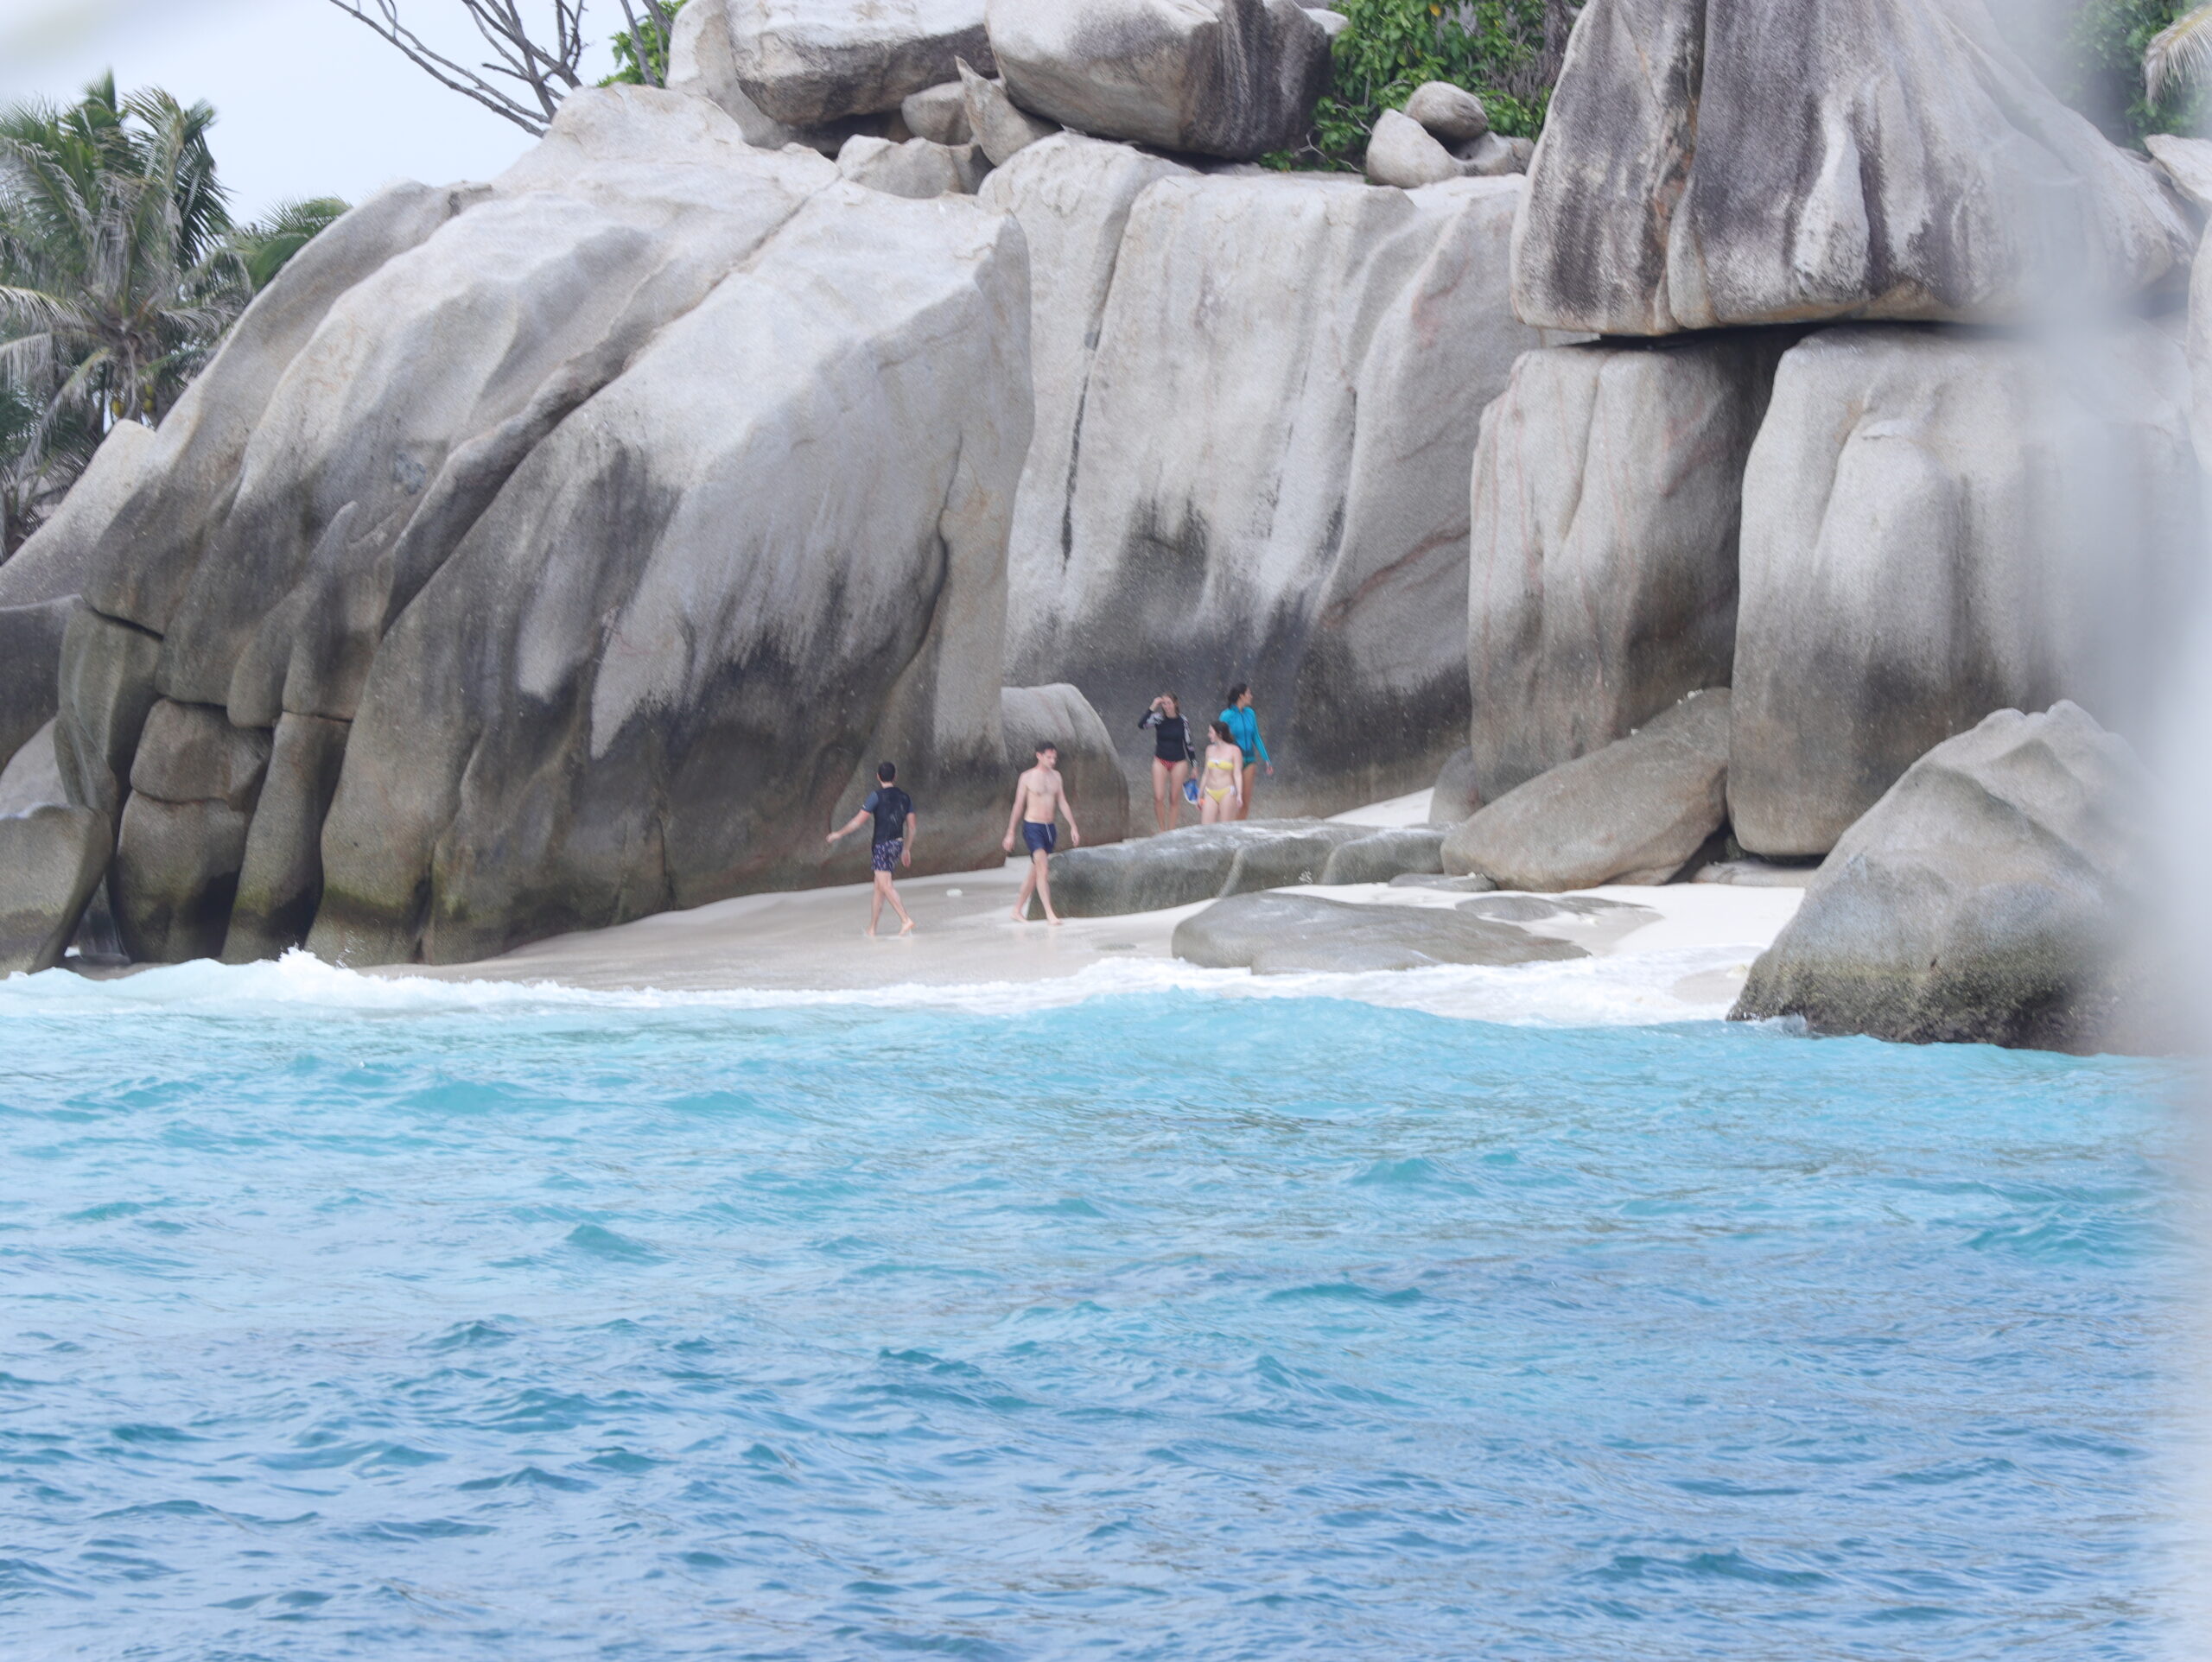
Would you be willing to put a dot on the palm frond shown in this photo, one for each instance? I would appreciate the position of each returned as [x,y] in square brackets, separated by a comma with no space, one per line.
[2180,52]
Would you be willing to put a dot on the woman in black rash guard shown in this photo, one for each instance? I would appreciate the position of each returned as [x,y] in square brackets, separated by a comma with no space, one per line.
[1171,758]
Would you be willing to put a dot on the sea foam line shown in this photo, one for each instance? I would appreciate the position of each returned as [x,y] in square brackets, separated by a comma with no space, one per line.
[1632,990]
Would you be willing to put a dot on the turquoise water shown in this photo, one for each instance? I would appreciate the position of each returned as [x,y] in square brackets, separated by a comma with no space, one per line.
[1166,1326]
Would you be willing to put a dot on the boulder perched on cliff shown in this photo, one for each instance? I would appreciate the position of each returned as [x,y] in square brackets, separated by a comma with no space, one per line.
[582,553]
[1256,397]
[1281,933]
[1633,812]
[1452,113]
[1714,162]
[804,62]
[1987,898]
[50,862]
[1403,153]
[1092,771]
[1607,503]
[1227,77]
[1936,525]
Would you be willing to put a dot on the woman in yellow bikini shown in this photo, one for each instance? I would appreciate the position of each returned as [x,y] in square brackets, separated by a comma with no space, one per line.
[1220,787]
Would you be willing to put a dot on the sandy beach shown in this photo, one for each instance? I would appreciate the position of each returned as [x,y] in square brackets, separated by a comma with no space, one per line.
[1676,953]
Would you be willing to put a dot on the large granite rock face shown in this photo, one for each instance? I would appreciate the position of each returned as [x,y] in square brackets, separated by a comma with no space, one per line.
[804,62]
[1256,397]
[582,554]
[1224,78]
[50,862]
[1633,812]
[39,585]
[33,776]
[1936,525]
[1607,505]
[1089,769]
[1711,162]
[56,559]
[1987,898]
[1282,934]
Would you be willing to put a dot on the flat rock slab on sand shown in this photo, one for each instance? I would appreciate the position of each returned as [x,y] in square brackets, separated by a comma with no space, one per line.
[1277,934]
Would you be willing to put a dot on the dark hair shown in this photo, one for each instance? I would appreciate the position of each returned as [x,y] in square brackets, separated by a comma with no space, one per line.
[886,772]
[1174,699]
[1237,692]
[1220,729]
[1044,744]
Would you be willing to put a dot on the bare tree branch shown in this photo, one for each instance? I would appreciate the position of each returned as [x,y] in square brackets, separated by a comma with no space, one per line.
[544,71]
[654,25]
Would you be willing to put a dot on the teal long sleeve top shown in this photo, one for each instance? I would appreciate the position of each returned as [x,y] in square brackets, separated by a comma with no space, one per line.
[1244,727]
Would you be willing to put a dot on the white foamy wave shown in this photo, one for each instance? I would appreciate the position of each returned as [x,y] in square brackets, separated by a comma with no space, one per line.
[1688,984]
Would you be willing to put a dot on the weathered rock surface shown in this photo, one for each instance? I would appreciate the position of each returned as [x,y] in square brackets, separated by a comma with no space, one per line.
[1452,113]
[1987,898]
[56,559]
[920,169]
[1388,855]
[2186,162]
[545,534]
[1634,812]
[1000,127]
[1256,397]
[804,62]
[1199,862]
[1280,934]
[1455,795]
[703,60]
[50,862]
[33,776]
[1403,153]
[1092,770]
[30,662]
[1607,508]
[1936,525]
[1493,155]
[938,113]
[1714,162]
[1227,78]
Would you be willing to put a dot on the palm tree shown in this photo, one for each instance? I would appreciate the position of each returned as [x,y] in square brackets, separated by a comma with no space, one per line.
[2179,53]
[120,271]
[114,246]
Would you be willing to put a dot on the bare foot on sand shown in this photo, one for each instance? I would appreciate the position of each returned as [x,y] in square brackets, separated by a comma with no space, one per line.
[1020,914]
[1051,918]
[906,928]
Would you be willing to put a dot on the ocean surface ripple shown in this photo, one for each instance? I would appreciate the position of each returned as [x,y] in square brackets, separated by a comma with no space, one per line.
[1164,1326]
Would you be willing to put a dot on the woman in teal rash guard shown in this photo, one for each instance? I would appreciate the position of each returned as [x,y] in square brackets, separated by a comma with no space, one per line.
[1244,729]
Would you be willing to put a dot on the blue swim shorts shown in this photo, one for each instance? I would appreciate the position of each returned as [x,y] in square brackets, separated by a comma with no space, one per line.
[1041,839]
[885,855]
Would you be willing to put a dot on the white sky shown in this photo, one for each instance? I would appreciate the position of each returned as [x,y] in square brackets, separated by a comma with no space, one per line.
[310,102]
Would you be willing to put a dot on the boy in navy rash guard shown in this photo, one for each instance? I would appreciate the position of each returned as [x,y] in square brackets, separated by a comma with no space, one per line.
[893,810]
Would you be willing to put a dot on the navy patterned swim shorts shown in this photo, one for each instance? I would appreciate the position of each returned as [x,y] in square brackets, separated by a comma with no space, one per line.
[885,855]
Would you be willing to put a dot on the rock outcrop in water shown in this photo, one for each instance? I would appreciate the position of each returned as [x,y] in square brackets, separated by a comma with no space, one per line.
[1256,401]
[582,540]
[1987,898]
[1717,162]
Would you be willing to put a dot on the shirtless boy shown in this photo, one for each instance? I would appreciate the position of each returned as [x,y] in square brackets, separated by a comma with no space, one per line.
[1040,798]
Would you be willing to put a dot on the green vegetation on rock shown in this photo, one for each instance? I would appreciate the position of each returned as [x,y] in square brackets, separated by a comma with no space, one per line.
[649,67]
[1494,48]
[2097,67]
